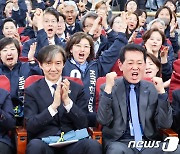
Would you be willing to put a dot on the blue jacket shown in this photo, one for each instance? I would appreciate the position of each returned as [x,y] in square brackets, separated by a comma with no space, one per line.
[96,68]
[42,40]
[7,120]
[17,78]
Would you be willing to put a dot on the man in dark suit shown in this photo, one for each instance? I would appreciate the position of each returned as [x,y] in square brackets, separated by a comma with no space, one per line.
[7,122]
[49,112]
[124,121]
[71,12]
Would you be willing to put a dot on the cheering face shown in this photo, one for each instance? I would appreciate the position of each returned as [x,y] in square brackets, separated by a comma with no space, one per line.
[133,66]
[9,55]
[8,10]
[70,13]
[9,29]
[132,21]
[154,42]
[171,6]
[142,19]
[81,51]
[151,69]
[164,15]
[53,69]
[50,24]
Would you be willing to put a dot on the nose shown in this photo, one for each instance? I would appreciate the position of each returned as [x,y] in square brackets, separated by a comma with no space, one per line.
[53,67]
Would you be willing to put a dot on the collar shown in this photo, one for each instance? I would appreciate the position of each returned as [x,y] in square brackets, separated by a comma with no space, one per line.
[52,41]
[73,25]
[127,84]
[63,36]
[76,63]
[98,41]
[49,83]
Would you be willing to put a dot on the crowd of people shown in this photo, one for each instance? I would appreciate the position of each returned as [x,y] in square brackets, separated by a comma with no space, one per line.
[86,40]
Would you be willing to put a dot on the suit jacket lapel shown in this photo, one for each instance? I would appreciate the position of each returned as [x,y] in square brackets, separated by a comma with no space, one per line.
[143,102]
[121,96]
[45,92]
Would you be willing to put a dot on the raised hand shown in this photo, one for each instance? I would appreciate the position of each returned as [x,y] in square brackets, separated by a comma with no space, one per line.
[164,54]
[32,51]
[110,77]
[159,85]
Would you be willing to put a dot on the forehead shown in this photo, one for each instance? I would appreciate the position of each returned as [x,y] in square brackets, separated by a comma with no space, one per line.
[9,23]
[9,4]
[54,57]
[69,8]
[164,11]
[49,15]
[156,34]
[10,45]
[89,20]
[134,55]
[131,3]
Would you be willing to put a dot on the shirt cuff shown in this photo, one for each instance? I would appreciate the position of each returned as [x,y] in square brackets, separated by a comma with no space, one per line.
[69,106]
[51,111]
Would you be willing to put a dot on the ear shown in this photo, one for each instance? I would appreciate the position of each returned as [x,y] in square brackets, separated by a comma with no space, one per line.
[39,64]
[119,64]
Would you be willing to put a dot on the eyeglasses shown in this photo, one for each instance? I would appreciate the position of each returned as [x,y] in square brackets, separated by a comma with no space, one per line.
[85,46]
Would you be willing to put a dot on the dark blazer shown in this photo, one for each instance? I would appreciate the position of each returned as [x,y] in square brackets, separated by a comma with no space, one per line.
[154,112]
[40,123]
[77,28]
[7,120]
[176,110]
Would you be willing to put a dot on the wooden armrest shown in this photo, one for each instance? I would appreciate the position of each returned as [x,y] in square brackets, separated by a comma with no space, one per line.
[169,132]
[21,140]
[96,134]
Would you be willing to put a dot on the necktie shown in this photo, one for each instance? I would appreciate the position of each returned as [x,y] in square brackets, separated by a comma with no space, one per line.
[70,28]
[134,115]
[54,86]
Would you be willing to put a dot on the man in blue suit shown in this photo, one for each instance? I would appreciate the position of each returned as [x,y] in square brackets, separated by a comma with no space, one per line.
[49,112]
[7,122]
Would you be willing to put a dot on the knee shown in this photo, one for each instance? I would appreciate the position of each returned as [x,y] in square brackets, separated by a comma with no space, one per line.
[92,144]
[34,146]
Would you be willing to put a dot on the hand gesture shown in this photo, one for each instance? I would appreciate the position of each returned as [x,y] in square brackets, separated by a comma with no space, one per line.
[57,97]
[110,77]
[164,54]
[81,6]
[159,85]
[65,91]
[39,17]
[32,51]
[102,14]
[29,19]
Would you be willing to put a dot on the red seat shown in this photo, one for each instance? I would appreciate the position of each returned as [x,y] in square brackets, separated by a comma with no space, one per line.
[138,40]
[5,83]
[116,69]
[20,30]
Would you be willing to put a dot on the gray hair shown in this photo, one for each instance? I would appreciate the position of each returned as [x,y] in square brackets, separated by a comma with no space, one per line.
[71,3]
[155,20]
[89,14]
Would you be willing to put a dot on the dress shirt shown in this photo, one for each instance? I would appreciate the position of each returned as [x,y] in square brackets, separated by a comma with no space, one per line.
[96,45]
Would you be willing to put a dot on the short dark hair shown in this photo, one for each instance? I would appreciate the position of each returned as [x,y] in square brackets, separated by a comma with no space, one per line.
[75,39]
[156,62]
[47,53]
[9,20]
[131,47]
[8,40]
[53,11]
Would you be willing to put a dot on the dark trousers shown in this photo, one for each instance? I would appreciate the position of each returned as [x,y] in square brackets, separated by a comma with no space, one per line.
[85,146]
[5,149]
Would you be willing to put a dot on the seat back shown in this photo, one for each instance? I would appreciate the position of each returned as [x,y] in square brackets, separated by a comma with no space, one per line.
[116,69]
[5,83]
[175,79]
[32,79]
[23,59]
[77,80]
